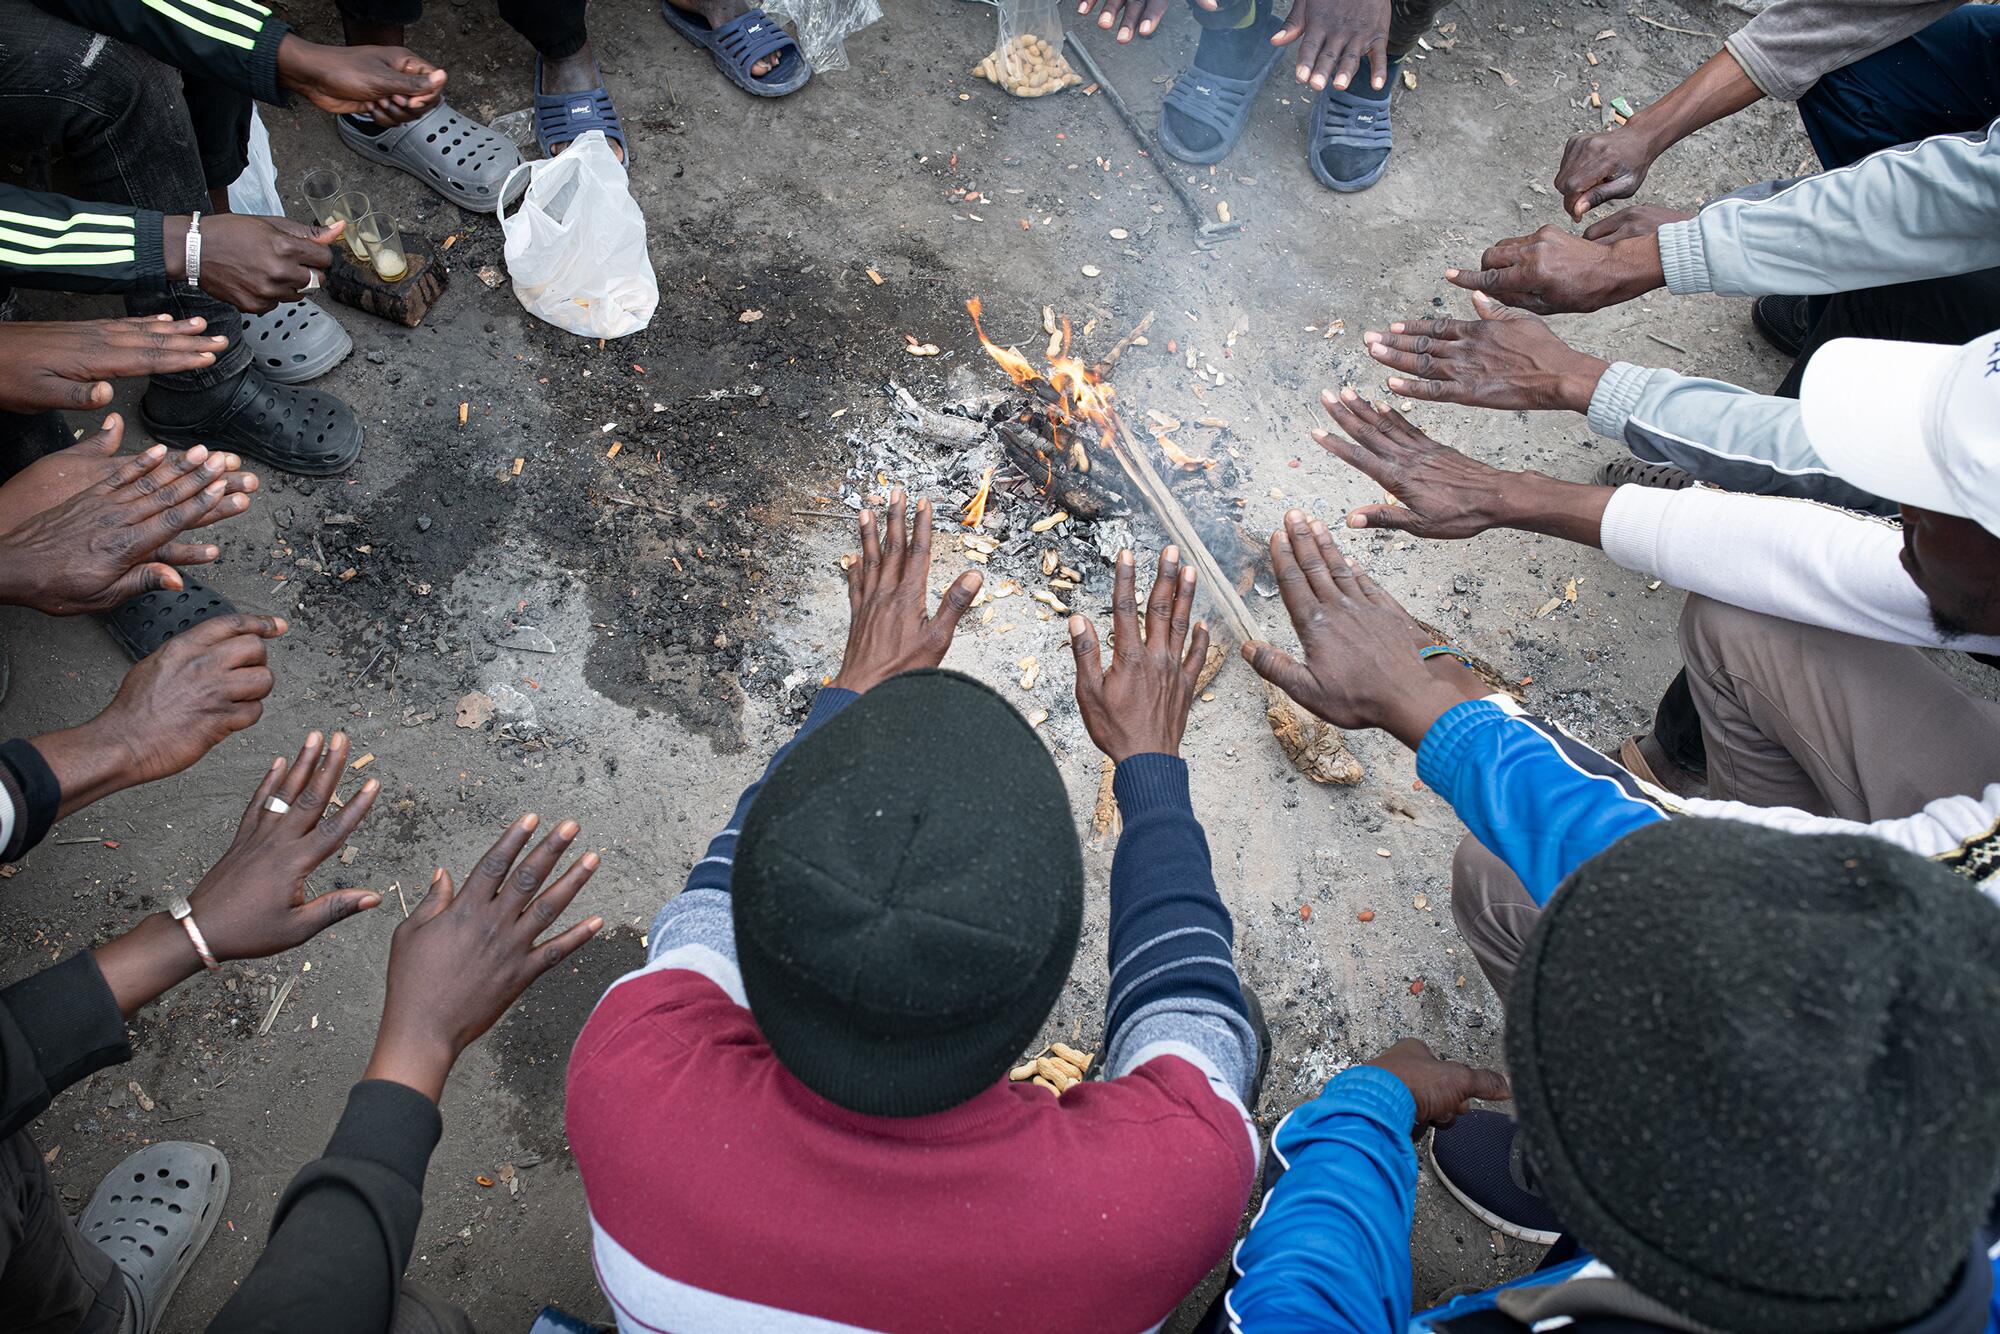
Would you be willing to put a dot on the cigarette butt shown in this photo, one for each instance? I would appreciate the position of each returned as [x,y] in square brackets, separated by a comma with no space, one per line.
[874,277]
[516,470]
[463,409]
[612,452]
[364,761]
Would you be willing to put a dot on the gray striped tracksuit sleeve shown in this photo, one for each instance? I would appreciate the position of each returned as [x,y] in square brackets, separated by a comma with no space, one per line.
[1726,436]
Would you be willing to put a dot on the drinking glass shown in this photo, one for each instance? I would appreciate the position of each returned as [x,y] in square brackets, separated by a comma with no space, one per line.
[383,241]
[321,188]
[350,206]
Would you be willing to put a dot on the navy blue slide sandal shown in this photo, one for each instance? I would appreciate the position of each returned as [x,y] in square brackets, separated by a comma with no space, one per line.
[563,118]
[1342,119]
[1215,100]
[741,43]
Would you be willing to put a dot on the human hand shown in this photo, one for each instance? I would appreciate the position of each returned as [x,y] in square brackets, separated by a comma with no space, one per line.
[1638,220]
[1140,706]
[462,958]
[1503,359]
[1440,493]
[1334,36]
[117,539]
[54,478]
[390,84]
[1442,1088]
[887,588]
[70,363]
[252,903]
[1603,165]
[252,263]
[1362,667]
[1553,272]
[182,700]
[1128,16]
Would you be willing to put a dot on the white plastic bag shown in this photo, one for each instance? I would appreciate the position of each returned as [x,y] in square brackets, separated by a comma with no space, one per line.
[824,26]
[255,192]
[576,247]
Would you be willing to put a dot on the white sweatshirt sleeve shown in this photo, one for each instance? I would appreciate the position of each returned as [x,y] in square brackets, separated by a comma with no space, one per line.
[1796,559]
[1961,833]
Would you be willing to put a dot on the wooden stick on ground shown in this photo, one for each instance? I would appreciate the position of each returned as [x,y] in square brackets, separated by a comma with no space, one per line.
[1315,747]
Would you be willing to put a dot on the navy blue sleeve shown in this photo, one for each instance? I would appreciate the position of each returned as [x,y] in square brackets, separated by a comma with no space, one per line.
[1537,798]
[1173,978]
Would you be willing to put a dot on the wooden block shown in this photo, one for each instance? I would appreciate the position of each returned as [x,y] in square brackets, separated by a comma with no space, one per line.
[405,301]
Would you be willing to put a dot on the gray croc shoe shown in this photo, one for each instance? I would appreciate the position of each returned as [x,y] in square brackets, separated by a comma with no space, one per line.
[295,342]
[459,158]
[153,1215]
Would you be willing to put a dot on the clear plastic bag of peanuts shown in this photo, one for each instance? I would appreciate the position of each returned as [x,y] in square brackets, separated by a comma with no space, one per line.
[1029,60]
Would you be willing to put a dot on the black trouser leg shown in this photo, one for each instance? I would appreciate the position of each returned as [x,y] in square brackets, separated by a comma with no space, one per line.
[221,120]
[555,28]
[52,1281]
[421,1311]
[117,119]
[1936,310]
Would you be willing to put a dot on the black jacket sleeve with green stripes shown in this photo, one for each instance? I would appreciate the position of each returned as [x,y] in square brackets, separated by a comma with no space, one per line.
[234,42]
[49,240]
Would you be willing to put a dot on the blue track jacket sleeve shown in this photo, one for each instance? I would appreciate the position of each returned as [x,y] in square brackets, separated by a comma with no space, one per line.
[1330,1250]
[1536,797]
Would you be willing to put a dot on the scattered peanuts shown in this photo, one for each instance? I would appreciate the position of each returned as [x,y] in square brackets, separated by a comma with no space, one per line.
[1057,1068]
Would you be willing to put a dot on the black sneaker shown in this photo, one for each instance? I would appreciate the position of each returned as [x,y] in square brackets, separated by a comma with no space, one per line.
[1475,1159]
[1629,471]
[1785,322]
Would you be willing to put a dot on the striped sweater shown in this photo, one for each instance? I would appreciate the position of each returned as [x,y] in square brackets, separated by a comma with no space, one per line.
[725,1195]
[51,241]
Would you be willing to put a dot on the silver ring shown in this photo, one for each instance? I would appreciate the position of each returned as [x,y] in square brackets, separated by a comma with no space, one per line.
[277,805]
[312,281]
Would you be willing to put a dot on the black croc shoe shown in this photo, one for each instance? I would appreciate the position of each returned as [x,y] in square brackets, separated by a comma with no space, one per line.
[1638,472]
[1475,1159]
[294,430]
[151,619]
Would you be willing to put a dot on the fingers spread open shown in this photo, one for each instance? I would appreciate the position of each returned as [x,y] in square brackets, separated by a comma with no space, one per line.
[956,599]
[272,777]
[300,771]
[920,544]
[1306,552]
[335,832]
[895,522]
[325,777]
[871,546]
[546,908]
[497,860]
[1089,658]
[1124,608]
[1292,586]
[1183,612]
[552,952]
[1160,598]
[1196,659]
[533,869]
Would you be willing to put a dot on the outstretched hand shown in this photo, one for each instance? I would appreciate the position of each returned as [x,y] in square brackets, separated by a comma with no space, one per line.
[1440,493]
[1140,706]
[71,363]
[55,478]
[252,903]
[1442,1088]
[1599,166]
[466,954]
[1361,667]
[888,592]
[1503,359]
[119,538]
[1334,37]
[1554,272]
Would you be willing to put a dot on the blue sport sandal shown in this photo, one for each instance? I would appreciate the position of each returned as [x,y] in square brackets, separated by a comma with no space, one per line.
[1218,101]
[1356,127]
[563,118]
[739,44]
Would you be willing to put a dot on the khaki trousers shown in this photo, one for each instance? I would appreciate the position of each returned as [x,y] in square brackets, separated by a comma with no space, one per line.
[1791,715]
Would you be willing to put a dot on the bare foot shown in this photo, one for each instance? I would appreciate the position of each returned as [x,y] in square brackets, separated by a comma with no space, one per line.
[718,12]
[574,74]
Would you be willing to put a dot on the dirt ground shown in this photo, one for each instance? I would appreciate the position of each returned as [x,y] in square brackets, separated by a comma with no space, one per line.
[653,624]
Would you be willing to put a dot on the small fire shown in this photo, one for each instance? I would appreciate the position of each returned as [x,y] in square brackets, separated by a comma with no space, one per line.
[1070,392]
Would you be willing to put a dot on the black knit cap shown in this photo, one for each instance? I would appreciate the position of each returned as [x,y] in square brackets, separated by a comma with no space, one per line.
[908,892]
[1759,1074]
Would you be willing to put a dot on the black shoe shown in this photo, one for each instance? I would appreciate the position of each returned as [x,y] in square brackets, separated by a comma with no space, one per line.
[1629,471]
[292,429]
[1474,1157]
[1785,322]
[1263,1032]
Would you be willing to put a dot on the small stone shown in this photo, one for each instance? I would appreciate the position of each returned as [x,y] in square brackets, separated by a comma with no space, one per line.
[1365,915]
[1090,271]
[376,358]
[423,523]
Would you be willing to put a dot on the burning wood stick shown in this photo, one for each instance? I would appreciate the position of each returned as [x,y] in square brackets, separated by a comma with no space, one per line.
[1049,469]
[1316,748]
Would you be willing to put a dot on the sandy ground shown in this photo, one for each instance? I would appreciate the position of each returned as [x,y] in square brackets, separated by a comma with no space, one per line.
[689,607]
